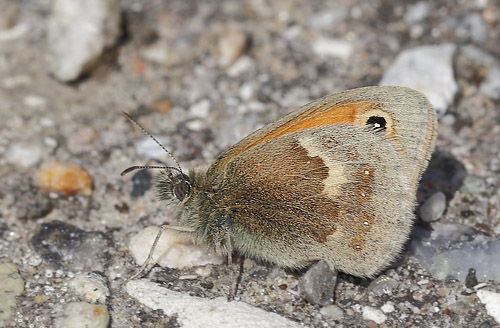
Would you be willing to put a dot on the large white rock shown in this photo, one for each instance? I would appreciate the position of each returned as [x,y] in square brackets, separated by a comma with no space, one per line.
[171,251]
[491,301]
[195,312]
[78,33]
[428,69]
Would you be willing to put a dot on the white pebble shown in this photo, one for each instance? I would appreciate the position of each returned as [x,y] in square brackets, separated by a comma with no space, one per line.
[388,307]
[200,109]
[24,154]
[34,101]
[84,315]
[491,301]
[327,47]
[373,314]
[171,251]
[90,285]
[199,312]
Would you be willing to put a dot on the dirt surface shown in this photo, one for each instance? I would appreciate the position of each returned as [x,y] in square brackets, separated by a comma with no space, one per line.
[201,106]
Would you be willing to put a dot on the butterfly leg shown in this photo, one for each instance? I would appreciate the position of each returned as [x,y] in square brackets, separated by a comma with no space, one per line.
[149,263]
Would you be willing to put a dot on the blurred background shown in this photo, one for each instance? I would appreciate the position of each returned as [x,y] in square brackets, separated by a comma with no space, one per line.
[201,75]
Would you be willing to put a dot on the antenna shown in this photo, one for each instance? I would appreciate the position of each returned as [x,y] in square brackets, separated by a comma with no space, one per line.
[136,167]
[147,167]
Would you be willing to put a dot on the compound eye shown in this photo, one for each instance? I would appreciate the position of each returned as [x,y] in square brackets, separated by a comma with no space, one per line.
[181,189]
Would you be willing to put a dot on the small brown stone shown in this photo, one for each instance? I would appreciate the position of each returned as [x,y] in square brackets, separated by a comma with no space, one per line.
[64,178]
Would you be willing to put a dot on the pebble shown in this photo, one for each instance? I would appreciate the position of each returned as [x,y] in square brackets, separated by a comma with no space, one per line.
[332,312]
[91,285]
[199,312]
[78,33]
[11,285]
[329,47]
[388,307]
[200,109]
[428,69]
[84,315]
[416,12]
[63,178]
[171,251]
[317,285]
[24,154]
[328,19]
[63,245]
[247,91]
[34,101]
[433,208]
[242,65]
[232,44]
[491,301]
[382,285]
[373,314]
[157,53]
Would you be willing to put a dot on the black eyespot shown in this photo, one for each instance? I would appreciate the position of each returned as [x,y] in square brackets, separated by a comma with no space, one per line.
[376,123]
[181,189]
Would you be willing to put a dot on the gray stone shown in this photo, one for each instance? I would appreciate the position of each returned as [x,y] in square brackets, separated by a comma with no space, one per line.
[63,245]
[332,312]
[382,285]
[433,208]
[317,285]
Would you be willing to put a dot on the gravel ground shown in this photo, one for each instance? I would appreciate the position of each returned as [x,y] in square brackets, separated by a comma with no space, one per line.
[202,75]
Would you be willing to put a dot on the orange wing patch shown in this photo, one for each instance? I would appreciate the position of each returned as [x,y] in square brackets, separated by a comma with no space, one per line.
[329,114]
[323,115]
[315,115]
